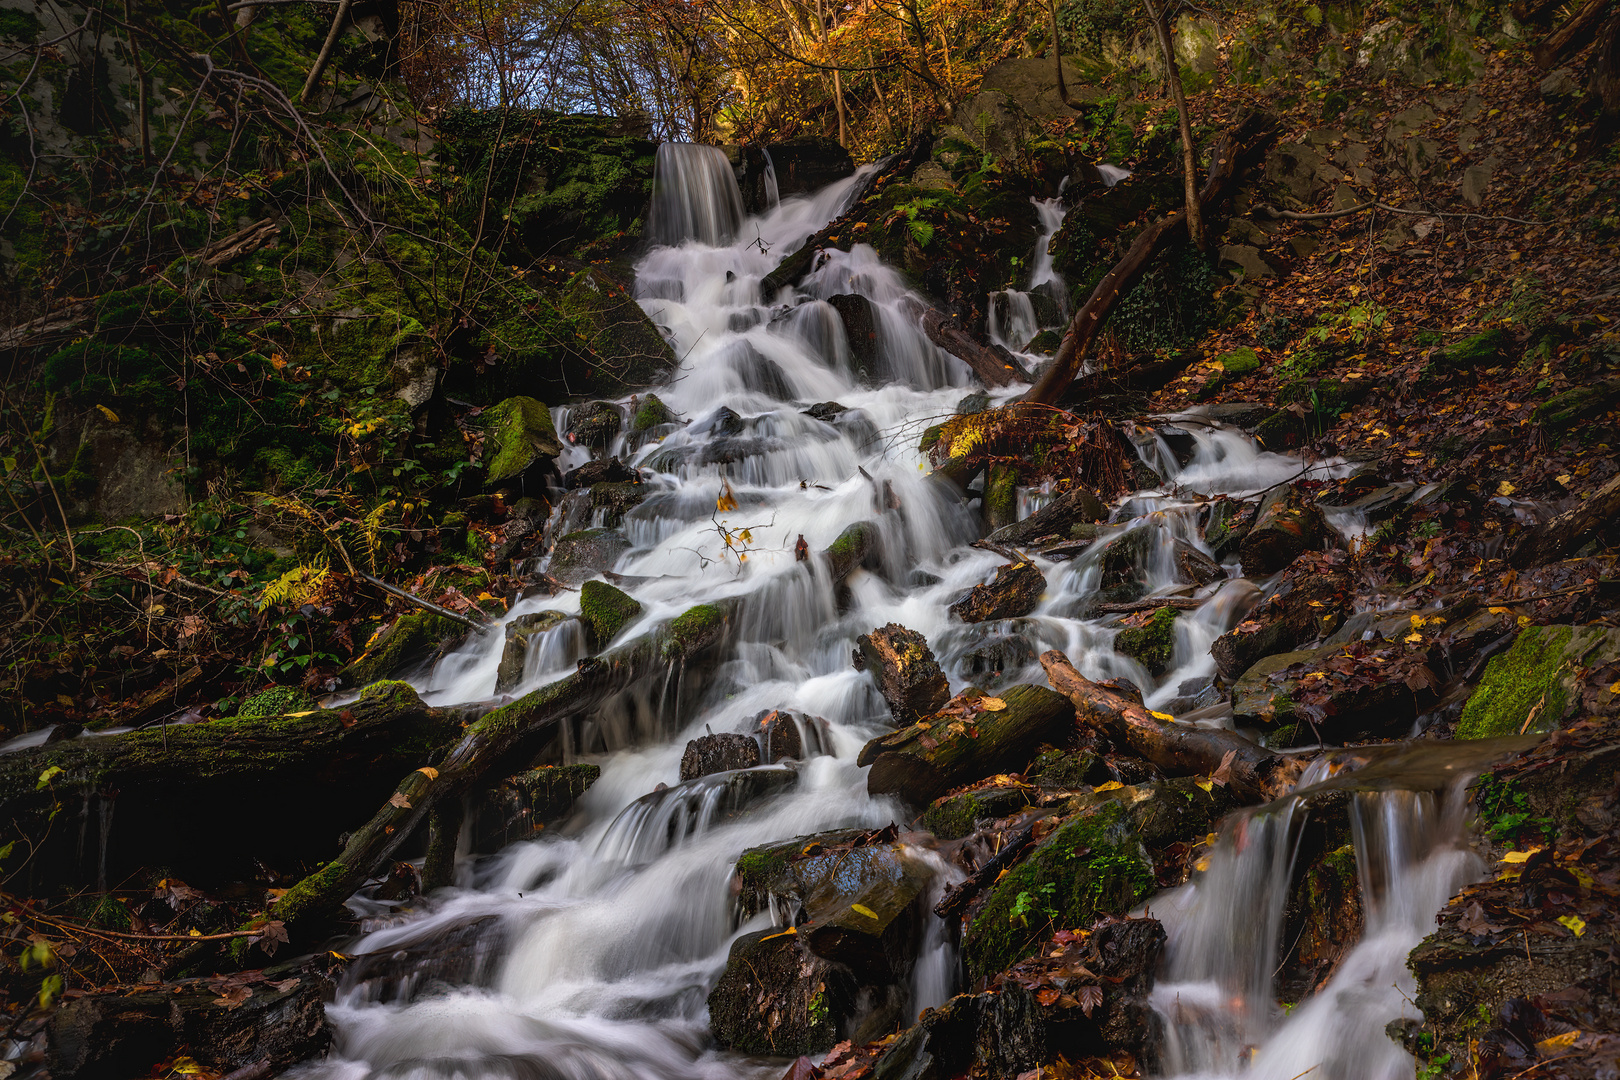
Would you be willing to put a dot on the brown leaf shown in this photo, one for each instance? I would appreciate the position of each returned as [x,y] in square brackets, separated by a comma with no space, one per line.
[1089,998]
[233,997]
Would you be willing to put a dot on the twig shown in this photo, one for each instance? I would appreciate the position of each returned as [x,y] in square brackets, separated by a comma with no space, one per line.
[1506,601]
[426,605]
[1152,603]
[1271,212]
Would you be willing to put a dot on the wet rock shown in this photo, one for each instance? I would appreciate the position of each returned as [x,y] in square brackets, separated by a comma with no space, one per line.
[582,555]
[1001,658]
[723,421]
[611,471]
[1479,351]
[777,997]
[1285,527]
[1068,769]
[524,528]
[519,442]
[1563,411]
[1226,527]
[907,675]
[1307,605]
[1193,694]
[616,500]
[594,424]
[860,329]
[952,817]
[1270,695]
[1123,559]
[519,631]
[973,404]
[788,871]
[974,736]
[1016,590]
[1151,644]
[551,791]
[718,753]
[279,1018]
[868,914]
[1058,518]
[649,411]
[808,163]
[791,736]
[1551,674]
[1193,566]
[413,639]
[827,412]
[605,611]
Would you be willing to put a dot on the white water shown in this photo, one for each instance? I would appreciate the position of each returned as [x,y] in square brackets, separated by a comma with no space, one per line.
[589,952]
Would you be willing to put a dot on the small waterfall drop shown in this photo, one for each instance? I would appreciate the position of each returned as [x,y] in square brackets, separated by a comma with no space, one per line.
[695,196]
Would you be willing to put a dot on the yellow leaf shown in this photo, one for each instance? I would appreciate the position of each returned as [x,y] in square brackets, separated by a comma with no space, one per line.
[1575,924]
[1162,715]
[727,501]
[1582,878]
[1557,1042]
[862,909]
[1207,784]
[306,712]
[1505,488]
[108,413]
[784,933]
[1112,785]
[1501,611]
[1413,638]
[992,704]
[429,771]
[1615,689]
[1563,479]
[186,1066]
[1520,856]
[1524,620]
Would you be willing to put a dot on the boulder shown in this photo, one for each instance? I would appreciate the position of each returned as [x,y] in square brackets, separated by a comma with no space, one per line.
[519,631]
[615,500]
[1032,83]
[411,640]
[594,424]
[860,330]
[777,997]
[718,753]
[791,736]
[551,791]
[648,412]
[1308,604]
[605,611]
[904,668]
[518,437]
[1194,567]
[1016,590]
[1153,643]
[580,556]
[611,471]
[1335,694]
[1551,673]
[808,163]
[995,123]
[951,817]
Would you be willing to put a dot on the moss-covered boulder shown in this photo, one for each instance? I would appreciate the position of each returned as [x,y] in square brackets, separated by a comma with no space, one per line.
[1537,684]
[582,555]
[605,611]
[1563,411]
[614,500]
[410,639]
[518,435]
[650,412]
[1481,350]
[276,701]
[952,817]
[520,633]
[1151,644]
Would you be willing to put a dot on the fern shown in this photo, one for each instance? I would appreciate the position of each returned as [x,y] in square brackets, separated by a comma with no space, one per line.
[297,586]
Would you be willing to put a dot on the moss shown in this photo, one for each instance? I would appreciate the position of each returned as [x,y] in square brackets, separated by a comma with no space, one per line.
[1065,769]
[1481,350]
[520,431]
[410,638]
[1239,362]
[1001,495]
[1528,676]
[1092,865]
[553,790]
[954,816]
[692,629]
[650,413]
[605,610]
[1153,644]
[277,701]
[19,26]
[929,438]
[1564,410]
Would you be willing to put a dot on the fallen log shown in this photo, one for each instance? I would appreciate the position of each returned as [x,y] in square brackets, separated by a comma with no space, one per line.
[1142,375]
[274,787]
[1077,506]
[958,745]
[959,895]
[1572,36]
[1176,749]
[906,673]
[1151,603]
[993,368]
[481,628]
[499,735]
[1559,537]
[1238,144]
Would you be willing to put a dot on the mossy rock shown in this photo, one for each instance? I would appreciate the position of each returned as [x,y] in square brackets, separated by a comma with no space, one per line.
[1481,350]
[514,655]
[1067,769]
[1238,363]
[650,413]
[1563,411]
[605,610]
[594,424]
[952,817]
[581,555]
[411,639]
[1092,865]
[1152,644]
[552,790]
[1044,343]
[277,701]
[616,499]
[1537,676]
[519,432]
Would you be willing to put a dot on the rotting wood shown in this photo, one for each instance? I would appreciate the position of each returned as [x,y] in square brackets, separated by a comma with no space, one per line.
[1177,749]
[427,605]
[992,368]
[959,895]
[1572,36]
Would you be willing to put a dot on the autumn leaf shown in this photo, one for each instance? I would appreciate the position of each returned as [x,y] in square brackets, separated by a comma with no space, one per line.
[992,704]
[862,909]
[398,799]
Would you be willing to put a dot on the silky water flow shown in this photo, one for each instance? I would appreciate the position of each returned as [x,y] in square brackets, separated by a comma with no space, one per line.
[588,953]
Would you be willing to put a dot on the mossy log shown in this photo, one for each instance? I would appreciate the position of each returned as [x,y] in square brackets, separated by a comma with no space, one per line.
[1077,506]
[922,762]
[184,793]
[1242,142]
[1563,535]
[1177,749]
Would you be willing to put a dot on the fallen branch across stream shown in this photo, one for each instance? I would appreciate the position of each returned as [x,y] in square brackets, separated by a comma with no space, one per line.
[427,605]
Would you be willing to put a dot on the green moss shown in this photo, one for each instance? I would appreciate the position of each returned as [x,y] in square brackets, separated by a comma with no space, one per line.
[1528,676]
[1481,350]
[954,816]
[19,26]
[650,413]
[692,629]
[1239,362]
[605,610]
[1092,865]
[1001,495]
[277,701]
[929,438]
[1153,644]
[1562,411]
[410,638]
[519,431]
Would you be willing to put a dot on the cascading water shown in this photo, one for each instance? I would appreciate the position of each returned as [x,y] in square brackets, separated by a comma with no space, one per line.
[589,953]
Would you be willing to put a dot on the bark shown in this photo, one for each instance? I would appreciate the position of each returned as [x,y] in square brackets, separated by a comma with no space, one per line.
[922,762]
[1139,375]
[1175,749]
[1015,591]
[1159,16]
[444,831]
[1249,136]
[1606,65]
[907,675]
[1573,36]
[482,629]
[1077,506]
[1285,528]
[1562,536]
[993,368]
[959,895]
[1152,603]
[325,57]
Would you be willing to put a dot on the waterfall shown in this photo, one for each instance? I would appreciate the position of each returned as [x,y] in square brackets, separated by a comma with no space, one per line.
[695,196]
[773,197]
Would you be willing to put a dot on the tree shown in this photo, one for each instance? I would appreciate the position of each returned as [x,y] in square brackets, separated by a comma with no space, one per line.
[1159,14]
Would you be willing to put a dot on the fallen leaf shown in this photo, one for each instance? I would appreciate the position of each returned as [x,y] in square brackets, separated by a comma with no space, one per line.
[429,771]
[1505,488]
[862,909]
[1519,856]
[1573,923]
[233,997]
[1112,785]
[992,704]
[399,800]
[1558,1042]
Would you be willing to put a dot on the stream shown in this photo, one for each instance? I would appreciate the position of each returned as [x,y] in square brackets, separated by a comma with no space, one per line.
[589,952]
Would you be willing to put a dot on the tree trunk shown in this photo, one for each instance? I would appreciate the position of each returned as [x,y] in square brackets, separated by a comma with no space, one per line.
[1572,36]
[1249,135]
[993,368]
[444,832]
[907,675]
[1565,534]
[1174,748]
[1160,16]
[922,762]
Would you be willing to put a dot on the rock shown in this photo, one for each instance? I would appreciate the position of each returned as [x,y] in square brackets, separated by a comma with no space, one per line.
[718,753]
[551,791]
[1563,411]
[789,871]
[605,611]
[411,640]
[1302,173]
[907,675]
[1124,558]
[791,736]
[868,913]
[972,737]
[519,436]
[519,631]
[1559,85]
[808,163]
[1349,709]
[582,555]
[1151,645]
[616,499]
[1476,182]
[1057,518]
[1016,590]
[1541,682]
[995,123]
[1307,605]
[1248,260]
[1481,350]
[827,412]
[124,1033]
[1285,527]
[1002,657]
[860,330]
[611,471]
[1032,84]
[594,424]
[952,817]
[1194,566]
[649,411]
[777,997]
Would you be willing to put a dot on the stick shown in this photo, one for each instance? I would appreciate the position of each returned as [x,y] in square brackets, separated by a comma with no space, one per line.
[957,896]
[1152,603]
[426,605]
